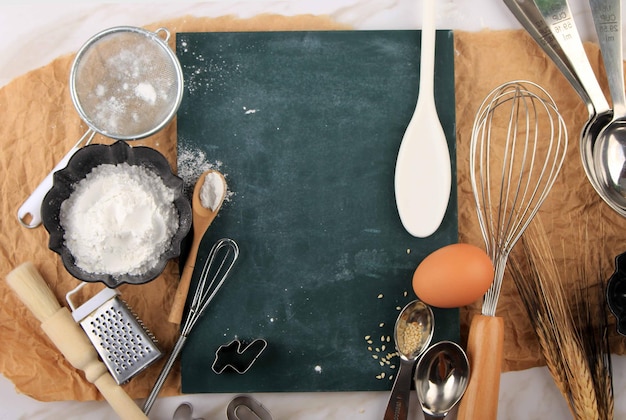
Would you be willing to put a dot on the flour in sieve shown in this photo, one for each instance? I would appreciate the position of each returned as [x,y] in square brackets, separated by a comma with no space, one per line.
[119,220]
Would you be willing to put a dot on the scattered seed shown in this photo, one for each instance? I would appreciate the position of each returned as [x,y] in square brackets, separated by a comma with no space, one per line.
[382,324]
[367,337]
[369,348]
[375,356]
[380,296]
[383,347]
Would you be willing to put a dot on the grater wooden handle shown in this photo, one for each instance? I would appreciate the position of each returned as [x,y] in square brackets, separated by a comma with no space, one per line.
[67,336]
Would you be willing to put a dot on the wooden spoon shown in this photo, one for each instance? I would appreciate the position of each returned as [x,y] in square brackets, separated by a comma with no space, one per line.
[202,219]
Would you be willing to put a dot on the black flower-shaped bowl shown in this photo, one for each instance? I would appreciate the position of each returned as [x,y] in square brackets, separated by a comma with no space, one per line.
[82,163]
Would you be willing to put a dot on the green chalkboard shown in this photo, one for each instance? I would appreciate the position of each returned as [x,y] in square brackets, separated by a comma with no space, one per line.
[306,127]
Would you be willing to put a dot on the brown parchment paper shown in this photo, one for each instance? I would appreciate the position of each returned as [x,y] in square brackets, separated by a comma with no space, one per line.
[39,125]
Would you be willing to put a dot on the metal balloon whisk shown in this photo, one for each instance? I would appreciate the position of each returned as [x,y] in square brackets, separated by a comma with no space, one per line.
[517,148]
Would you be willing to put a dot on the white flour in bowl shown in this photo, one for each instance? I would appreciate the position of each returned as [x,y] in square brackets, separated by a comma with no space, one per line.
[119,220]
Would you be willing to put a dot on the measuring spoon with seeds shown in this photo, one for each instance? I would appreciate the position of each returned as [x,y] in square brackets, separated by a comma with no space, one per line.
[412,335]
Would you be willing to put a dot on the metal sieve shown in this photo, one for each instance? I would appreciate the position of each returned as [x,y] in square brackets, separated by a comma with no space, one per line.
[126,84]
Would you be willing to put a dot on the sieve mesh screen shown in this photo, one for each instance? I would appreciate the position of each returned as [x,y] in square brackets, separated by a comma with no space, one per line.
[125,84]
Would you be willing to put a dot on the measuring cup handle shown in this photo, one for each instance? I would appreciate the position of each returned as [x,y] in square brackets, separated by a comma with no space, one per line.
[606,16]
[29,213]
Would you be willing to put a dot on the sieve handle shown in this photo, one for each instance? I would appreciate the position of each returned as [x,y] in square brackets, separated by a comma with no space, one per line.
[29,213]
[165,32]
[484,350]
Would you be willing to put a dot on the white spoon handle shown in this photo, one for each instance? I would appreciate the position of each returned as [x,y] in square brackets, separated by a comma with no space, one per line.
[427,56]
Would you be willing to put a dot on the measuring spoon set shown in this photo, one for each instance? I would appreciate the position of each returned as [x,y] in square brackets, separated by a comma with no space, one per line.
[603,137]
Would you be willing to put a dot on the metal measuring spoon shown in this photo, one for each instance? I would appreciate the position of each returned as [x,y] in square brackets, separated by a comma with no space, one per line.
[412,334]
[609,151]
[528,15]
[441,378]
[564,34]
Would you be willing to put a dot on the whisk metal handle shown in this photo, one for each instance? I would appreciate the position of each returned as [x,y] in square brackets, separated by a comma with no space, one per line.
[169,364]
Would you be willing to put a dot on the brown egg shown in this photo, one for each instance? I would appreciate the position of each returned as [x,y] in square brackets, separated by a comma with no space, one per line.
[453,276]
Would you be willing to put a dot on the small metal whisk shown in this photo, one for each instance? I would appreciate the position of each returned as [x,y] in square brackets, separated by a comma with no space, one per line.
[517,148]
[203,295]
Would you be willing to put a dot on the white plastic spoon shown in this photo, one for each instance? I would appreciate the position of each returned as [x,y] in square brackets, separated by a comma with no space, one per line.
[423,173]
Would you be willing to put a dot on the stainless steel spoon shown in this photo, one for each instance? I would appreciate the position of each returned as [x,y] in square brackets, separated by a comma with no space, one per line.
[558,16]
[610,147]
[412,334]
[441,377]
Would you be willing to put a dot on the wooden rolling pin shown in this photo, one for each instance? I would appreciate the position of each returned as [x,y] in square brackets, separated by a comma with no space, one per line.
[69,338]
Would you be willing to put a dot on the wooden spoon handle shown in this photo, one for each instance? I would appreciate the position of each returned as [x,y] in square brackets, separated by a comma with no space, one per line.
[178,306]
[484,351]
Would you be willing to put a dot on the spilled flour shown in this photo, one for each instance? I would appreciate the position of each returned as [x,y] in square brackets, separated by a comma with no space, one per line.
[192,163]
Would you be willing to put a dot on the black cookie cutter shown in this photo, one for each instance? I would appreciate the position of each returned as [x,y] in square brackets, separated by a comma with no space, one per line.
[616,293]
[237,356]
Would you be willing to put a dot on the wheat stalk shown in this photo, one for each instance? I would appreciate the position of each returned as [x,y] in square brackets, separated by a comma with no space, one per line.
[575,347]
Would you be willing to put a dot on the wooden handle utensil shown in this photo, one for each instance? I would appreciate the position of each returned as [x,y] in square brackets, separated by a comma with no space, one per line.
[69,338]
[484,351]
[202,219]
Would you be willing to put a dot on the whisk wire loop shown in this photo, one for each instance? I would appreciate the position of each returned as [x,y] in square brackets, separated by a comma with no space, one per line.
[204,293]
[517,149]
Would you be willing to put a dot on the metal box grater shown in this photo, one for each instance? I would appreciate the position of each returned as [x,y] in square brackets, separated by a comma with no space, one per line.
[121,340]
